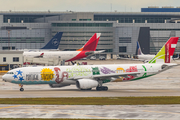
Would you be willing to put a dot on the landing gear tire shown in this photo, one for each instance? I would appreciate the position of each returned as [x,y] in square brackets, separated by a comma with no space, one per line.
[21,89]
[102,88]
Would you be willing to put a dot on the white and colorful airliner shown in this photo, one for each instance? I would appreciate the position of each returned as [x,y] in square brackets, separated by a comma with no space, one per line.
[86,77]
[87,50]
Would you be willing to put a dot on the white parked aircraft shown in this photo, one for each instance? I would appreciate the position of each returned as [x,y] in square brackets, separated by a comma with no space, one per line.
[87,50]
[87,77]
[142,56]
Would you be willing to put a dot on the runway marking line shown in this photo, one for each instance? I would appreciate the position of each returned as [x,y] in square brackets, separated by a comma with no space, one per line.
[160,112]
[10,107]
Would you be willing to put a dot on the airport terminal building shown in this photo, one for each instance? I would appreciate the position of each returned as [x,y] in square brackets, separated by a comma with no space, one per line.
[152,27]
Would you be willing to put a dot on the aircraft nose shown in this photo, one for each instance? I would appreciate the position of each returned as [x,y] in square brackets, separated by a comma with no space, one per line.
[4,78]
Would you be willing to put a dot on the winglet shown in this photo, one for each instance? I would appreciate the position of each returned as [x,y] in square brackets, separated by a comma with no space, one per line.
[166,52]
[41,54]
[91,44]
[54,42]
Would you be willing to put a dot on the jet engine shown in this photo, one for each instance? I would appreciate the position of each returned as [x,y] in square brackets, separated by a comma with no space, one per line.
[86,84]
[58,85]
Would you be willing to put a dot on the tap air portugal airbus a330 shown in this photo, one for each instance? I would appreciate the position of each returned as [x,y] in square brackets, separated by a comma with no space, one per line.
[87,50]
[86,77]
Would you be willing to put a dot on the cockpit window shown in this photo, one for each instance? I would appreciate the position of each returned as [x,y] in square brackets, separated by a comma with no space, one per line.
[9,73]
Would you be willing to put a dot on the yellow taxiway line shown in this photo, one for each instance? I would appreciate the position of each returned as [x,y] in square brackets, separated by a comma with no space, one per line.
[10,107]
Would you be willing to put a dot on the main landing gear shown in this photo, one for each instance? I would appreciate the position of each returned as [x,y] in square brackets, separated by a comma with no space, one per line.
[102,88]
[21,88]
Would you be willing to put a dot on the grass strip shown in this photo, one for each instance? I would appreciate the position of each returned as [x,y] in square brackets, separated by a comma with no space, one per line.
[94,100]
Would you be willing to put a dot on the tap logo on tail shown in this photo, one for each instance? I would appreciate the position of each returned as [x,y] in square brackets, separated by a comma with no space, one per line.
[166,52]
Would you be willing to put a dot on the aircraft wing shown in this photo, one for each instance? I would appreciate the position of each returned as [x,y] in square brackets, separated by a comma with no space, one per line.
[100,51]
[88,53]
[115,74]
[133,59]
[109,75]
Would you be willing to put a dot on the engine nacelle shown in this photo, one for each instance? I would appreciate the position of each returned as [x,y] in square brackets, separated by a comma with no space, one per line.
[58,85]
[86,83]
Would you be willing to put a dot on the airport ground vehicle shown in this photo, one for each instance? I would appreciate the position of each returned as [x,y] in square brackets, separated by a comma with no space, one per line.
[102,58]
[93,58]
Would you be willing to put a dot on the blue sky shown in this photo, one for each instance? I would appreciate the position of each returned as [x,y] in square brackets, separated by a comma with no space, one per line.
[84,5]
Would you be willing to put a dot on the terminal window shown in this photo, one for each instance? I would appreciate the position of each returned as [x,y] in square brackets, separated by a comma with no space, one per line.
[122,49]
[4,59]
[124,39]
[8,48]
[15,59]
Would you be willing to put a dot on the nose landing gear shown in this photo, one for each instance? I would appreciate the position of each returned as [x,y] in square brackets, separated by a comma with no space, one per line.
[21,88]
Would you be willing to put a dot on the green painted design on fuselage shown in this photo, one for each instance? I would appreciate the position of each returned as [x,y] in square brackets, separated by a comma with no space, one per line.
[106,81]
[144,70]
[138,78]
[78,71]
[95,71]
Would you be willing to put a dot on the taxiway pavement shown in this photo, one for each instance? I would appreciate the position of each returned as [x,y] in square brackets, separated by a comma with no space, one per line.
[91,111]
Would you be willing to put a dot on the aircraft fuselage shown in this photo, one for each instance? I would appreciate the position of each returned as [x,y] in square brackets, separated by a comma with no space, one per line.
[69,74]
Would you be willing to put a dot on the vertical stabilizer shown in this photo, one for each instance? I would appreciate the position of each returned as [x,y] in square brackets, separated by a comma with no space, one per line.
[166,52]
[139,52]
[54,42]
[91,44]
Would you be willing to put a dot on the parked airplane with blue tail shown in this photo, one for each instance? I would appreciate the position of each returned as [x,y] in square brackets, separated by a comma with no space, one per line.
[54,42]
[52,45]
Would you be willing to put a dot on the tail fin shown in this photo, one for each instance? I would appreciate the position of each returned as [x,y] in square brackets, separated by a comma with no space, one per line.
[54,42]
[139,52]
[166,52]
[91,44]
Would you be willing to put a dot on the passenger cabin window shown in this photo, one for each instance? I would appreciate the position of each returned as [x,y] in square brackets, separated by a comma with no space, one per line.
[15,59]
[9,73]
[4,59]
